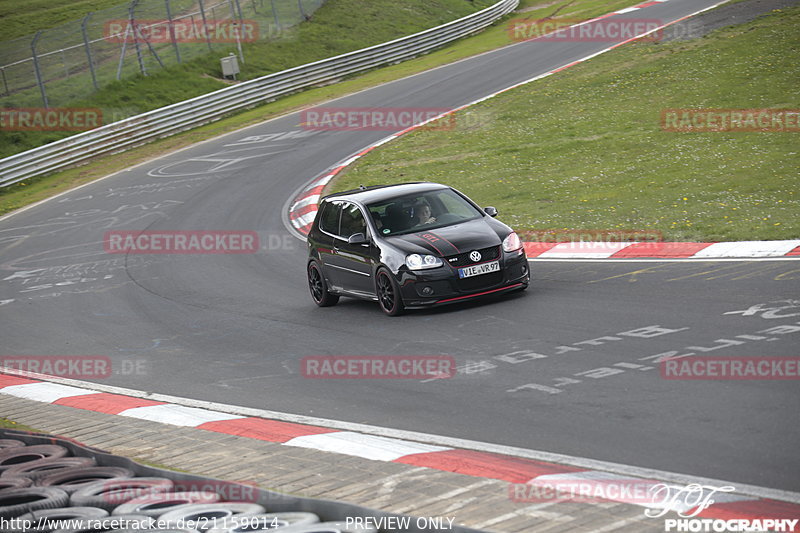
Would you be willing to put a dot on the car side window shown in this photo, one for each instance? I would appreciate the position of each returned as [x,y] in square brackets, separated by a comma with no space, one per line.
[352,221]
[329,220]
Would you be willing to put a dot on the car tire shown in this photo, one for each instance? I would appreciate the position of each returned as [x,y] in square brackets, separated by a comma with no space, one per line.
[328,527]
[157,530]
[207,514]
[15,502]
[137,524]
[388,292]
[319,287]
[161,503]
[111,493]
[73,479]
[7,483]
[10,457]
[44,467]
[48,519]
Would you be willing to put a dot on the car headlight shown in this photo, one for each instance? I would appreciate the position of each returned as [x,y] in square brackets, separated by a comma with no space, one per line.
[420,262]
[512,242]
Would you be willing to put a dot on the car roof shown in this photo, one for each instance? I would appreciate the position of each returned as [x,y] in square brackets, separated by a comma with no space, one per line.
[369,195]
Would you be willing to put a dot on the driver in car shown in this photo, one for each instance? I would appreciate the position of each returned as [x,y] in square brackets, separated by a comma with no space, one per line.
[423,211]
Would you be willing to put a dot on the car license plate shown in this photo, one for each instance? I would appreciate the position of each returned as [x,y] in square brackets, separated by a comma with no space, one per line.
[477,270]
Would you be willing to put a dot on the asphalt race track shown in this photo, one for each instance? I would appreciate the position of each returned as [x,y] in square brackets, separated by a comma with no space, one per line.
[567,367]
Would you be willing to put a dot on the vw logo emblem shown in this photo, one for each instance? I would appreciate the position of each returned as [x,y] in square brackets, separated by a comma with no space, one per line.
[475,256]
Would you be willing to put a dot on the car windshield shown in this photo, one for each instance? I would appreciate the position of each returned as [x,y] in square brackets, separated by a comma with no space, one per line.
[421,211]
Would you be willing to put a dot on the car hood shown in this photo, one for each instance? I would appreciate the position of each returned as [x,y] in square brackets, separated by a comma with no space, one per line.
[449,240]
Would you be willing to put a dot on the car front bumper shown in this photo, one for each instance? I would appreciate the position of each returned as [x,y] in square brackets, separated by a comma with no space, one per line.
[440,286]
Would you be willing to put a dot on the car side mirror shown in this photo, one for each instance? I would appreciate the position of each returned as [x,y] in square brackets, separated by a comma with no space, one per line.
[357,238]
[491,211]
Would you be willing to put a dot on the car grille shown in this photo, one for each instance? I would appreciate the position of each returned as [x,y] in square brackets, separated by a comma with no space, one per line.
[487,254]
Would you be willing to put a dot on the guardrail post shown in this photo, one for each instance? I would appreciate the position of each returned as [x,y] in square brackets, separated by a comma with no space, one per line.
[88,48]
[5,82]
[36,70]
[123,52]
[149,47]
[239,10]
[275,15]
[132,22]
[172,32]
[302,11]
[64,63]
[237,29]
[205,24]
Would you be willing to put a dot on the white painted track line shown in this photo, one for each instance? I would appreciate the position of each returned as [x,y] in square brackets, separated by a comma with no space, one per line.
[361,445]
[47,392]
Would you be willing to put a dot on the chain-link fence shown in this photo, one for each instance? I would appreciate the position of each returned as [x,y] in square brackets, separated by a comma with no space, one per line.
[55,66]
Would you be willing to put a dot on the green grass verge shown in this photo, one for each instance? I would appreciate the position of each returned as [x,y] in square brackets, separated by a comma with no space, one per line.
[39,188]
[5,423]
[18,19]
[332,30]
[583,149]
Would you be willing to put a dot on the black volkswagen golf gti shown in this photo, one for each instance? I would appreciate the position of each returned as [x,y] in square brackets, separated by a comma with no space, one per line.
[410,246]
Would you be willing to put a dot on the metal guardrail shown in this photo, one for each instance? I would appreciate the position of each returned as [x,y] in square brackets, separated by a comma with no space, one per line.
[119,136]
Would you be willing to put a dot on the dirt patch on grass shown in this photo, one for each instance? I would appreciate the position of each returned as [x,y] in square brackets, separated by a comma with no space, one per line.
[534,8]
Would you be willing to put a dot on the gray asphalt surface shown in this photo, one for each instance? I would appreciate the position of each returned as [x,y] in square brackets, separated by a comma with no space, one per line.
[233,328]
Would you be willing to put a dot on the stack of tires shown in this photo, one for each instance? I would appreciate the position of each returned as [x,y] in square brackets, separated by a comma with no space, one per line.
[45,490]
